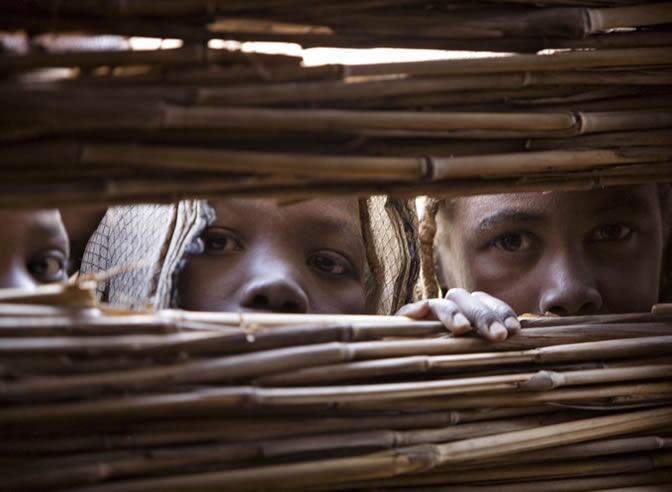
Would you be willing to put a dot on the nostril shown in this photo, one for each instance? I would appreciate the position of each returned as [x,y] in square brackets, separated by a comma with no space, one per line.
[278,296]
[290,307]
[589,308]
[260,301]
[557,311]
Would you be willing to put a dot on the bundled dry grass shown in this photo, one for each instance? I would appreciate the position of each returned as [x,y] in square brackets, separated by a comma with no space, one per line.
[102,400]
[597,112]
[105,401]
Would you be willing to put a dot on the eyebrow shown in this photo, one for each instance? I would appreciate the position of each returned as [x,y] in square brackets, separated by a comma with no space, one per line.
[329,224]
[49,232]
[625,200]
[509,215]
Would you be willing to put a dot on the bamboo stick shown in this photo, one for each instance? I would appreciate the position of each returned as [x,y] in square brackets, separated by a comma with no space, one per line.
[72,437]
[606,447]
[173,459]
[359,168]
[354,167]
[214,401]
[535,162]
[188,55]
[604,140]
[324,91]
[603,483]
[580,60]
[80,295]
[209,341]
[115,192]
[573,469]
[426,364]
[640,15]
[402,461]
[171,116]
[602,397]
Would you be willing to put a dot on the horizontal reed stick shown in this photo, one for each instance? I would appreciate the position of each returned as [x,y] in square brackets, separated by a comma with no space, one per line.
[655,481]
[605,447]
[387,169]
[562,61]
[188,55]
[112,191]
[597,397]
[173,459]
[62,295]
[587,351]
[210,341]
[350,91]
[536,162]
[594,467]
[637,15]
[212,160]
[403,460]
[72,437]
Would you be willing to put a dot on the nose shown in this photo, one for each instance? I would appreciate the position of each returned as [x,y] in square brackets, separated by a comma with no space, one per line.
[276,295]
[571,288]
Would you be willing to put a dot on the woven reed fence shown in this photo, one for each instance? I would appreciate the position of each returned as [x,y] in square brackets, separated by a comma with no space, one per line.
[133,126]
[107,401]
[203,401]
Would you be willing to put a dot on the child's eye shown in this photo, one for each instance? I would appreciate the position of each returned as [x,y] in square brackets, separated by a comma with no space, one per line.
[513,242]
[220,241]
[330,262]
[48,266]
[611,232]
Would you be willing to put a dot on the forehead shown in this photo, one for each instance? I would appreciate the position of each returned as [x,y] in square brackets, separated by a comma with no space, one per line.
[30,230]
[333,212]
[577,204]
[41,221]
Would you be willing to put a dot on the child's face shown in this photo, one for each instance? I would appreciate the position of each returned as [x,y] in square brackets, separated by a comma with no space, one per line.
[567,253]
[33,248]
[307,257]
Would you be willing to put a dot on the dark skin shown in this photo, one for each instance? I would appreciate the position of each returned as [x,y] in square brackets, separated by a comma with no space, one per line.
[80,223]
[34,249]
[307,257]
[566,253]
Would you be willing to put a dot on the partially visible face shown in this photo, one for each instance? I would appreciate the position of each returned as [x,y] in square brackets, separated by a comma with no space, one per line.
[568,253]
[307,257]
[33,248]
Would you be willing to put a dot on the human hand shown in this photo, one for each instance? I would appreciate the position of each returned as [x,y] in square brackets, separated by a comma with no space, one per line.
[462,312]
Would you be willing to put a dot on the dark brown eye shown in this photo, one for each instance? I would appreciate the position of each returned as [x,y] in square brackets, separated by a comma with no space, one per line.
[48,266]
[611,232]
[218,241]
[512,242]
[330,262]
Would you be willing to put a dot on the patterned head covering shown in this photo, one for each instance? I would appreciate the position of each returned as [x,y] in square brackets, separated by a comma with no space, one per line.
[139,251]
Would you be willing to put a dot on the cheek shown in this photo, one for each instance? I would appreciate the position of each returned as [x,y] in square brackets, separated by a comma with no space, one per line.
[13,272]
[206,283]
[520,291]
[632,284]
[337,297]
[516,282]
[629,276]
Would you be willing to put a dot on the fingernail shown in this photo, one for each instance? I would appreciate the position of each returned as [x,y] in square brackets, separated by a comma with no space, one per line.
[498,331]
[512,323]
[460,320]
